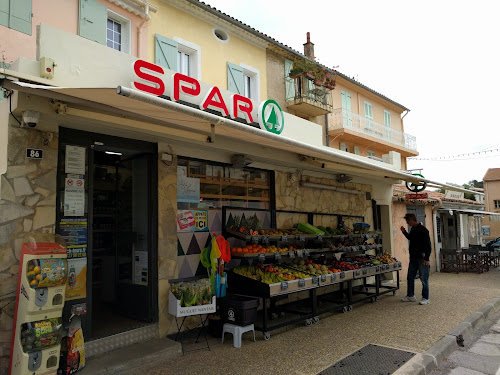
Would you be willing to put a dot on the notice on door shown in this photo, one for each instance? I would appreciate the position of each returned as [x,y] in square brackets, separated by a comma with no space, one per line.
[74,232]
[76,283]
[74,197]
[141,268]
[75,160]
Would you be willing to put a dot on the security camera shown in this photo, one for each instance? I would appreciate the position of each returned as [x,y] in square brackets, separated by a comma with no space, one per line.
[31,118]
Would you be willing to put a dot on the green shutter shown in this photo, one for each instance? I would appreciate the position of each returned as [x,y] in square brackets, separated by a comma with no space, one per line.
[346,109]
[16,14]
[20,16]
[165,52]
[4,12]
[235,81]
[92,21]
[289,82]
[387,118]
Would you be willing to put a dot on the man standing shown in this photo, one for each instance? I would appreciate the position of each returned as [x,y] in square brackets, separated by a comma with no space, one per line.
[420,250]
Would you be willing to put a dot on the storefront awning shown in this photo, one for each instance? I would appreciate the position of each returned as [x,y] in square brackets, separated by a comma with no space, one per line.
[124,101]
[474,212]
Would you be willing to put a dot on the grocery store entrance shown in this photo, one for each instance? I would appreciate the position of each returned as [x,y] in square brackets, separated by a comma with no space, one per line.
[121,221]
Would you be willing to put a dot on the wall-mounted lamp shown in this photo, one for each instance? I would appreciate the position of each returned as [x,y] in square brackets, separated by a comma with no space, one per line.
[329,187]
[450,212]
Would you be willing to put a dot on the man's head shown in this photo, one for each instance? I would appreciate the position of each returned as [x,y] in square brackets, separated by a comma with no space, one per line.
[411,219]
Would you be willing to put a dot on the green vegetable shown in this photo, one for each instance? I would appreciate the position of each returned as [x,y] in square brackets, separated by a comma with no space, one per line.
[308,228]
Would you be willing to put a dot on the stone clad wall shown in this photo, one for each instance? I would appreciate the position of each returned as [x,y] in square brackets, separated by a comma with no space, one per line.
[27,204]
[167,237]
[291,196]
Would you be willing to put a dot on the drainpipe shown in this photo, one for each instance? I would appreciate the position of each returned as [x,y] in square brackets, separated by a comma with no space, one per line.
[147,17]
[326,131]
[437,247]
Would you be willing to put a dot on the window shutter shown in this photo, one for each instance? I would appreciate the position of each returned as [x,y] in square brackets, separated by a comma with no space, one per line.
[387,118]
[4,12]
[92,21]
[346,109]
[289,82]
[16,14]
[166,52]
[235,81]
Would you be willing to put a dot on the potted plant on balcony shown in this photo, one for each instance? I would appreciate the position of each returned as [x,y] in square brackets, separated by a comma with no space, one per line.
[330,81]
[302,67]
[320,74]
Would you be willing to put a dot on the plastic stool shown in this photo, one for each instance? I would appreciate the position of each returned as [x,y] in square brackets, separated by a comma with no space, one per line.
[237,331]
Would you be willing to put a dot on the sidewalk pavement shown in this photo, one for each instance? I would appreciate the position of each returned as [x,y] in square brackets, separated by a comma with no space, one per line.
[461,303]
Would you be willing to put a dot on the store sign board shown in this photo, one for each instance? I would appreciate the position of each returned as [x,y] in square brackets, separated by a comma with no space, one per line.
[154,79]
[416,196]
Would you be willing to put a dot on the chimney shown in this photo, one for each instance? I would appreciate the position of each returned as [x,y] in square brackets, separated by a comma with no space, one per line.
[309,47]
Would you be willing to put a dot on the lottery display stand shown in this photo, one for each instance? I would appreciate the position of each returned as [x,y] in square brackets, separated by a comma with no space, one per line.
[38,328]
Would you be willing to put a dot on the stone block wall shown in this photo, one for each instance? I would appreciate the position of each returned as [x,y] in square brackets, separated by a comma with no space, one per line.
[291,196]
[27,204]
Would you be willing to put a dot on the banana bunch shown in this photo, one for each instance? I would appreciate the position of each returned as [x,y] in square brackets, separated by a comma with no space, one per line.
[386,258]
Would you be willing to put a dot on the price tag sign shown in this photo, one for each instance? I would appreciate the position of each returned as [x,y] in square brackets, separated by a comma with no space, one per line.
[358,272]
[315,279]
[334,277]
[365,271]
[377,269]
[284,238]
[255,239]
[342,275]
[277,256]
[265,239]
[291,254]
[302,237]
[300,253]
[306,252]
[284,285]
[302,283]
[262,257]
[320,237]
[323,278]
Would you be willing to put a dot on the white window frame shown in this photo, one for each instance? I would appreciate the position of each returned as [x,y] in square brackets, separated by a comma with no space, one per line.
[125,32]
[254,75]
[496,202]
[370,153]
[194,52]
[356,150]
[343,147]
[180,59]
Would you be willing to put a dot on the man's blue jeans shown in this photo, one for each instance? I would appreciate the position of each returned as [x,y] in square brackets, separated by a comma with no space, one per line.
[417,265]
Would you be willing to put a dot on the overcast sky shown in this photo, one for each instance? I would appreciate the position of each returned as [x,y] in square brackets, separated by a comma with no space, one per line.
[440,59]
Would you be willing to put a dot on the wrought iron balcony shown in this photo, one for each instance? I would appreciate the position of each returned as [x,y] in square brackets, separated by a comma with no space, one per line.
[346,120]
[305,98]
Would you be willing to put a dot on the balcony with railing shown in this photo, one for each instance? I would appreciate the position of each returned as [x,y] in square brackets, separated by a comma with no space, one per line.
[307,99]
[358,128]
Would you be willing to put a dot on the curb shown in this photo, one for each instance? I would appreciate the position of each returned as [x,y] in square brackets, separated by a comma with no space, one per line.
[424,363]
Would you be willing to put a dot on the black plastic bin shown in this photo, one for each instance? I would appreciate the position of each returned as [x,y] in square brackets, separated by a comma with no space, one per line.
[239,310]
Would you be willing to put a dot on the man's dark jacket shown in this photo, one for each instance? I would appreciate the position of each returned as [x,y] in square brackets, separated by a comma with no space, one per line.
[420,242]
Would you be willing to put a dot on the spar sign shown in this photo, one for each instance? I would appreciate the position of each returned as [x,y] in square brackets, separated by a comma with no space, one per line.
[155,80]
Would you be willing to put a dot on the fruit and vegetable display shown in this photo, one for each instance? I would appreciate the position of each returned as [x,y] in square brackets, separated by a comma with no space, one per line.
[41,334]
[46,272]
[386,258]
[313,268]
[192,293]
[270,274]
[256,248]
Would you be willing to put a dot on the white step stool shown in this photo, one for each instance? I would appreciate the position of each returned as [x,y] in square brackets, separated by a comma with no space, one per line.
[237,331]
